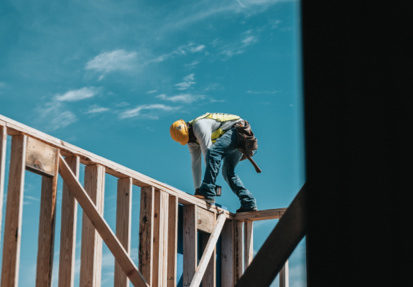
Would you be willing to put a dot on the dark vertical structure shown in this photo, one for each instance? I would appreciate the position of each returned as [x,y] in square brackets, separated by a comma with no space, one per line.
[357,88]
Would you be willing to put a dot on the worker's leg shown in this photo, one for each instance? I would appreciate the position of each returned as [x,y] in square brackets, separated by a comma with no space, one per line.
[225,144]
[228,172]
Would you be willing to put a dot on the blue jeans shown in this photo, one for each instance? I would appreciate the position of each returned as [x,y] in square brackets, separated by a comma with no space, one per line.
[225,150]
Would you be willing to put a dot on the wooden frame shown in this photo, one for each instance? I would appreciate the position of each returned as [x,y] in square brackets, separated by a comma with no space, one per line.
[158,226]
[68,229]
[123,224]
[146,232]
[12,227]
[3,145]
[47,223]
[275,251]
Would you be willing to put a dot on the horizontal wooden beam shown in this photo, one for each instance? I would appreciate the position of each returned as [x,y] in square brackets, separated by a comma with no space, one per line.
[100,224]
[260,214]
[112,168]
[205,220]
[279,245]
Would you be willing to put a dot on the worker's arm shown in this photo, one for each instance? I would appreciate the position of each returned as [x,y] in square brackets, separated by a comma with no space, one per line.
[203,130]
[195,151]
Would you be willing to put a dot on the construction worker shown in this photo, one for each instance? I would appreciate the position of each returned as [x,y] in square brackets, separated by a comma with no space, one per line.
[215,136]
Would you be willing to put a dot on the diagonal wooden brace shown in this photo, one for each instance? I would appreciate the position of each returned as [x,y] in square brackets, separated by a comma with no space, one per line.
[209,248]
[125,262]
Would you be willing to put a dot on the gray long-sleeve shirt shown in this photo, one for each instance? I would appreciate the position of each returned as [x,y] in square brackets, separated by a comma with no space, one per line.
[203,130]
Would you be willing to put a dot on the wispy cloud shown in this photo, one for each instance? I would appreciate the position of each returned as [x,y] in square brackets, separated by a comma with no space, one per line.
[182,98]
[187,82]
[77,95]
[203,10]
[54,116]
[29,199]
[183,50]
[192,65]
[96,110]
[117,60]
[197,49]
[138,111]
[248,38]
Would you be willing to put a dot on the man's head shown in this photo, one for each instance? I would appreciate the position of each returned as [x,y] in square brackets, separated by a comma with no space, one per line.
[179,132]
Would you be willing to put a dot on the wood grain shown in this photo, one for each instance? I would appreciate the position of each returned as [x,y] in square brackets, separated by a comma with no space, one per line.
[68,230]
[12,227]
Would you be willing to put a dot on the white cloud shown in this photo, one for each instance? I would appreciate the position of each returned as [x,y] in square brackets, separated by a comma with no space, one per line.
[192,65]
[152,91]
[183,50]
[28,199]
[77,95]
[203,10]
[63,120]
[183,98]
[240,4]
[117,60]
[132,113]
[96,110]
[54,116]
[188,81]
[249,40]
[197,49]
[237,47]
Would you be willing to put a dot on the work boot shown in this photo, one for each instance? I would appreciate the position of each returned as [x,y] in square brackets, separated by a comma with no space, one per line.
[199,195]
[242,209]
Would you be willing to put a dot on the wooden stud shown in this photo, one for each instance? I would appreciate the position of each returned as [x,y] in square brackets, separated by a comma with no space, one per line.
[190,241]
[172,240]
[40,157]
[68,230]
[279,245]
[160,237]
[123,225]
[209,250]
[248,243]
[227,255]
[238,260]
[12,228]
[91,249]
[47,226]
[164,237]
[101,226]
[146,233]
[209,279]
[210,276]
[284,282]
[3,145]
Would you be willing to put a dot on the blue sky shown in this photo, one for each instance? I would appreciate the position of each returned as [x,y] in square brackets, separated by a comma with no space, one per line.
[111,76]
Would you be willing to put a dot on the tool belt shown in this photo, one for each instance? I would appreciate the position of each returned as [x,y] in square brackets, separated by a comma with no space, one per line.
[246,141]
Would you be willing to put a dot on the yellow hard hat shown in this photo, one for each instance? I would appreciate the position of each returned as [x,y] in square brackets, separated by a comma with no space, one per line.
[179,132]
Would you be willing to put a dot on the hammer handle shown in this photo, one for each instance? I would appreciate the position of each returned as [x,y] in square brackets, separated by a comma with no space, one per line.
[257,169]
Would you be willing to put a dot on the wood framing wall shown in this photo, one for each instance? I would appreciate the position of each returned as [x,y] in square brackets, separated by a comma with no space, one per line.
[49,157]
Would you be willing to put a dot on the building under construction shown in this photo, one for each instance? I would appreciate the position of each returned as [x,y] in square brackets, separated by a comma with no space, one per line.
[216,245]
